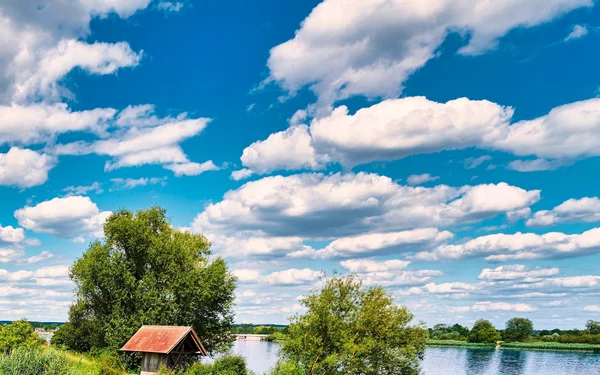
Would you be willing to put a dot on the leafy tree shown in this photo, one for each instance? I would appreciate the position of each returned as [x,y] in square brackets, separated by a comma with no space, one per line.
[148,273]
[483,331]
[352,330]
[593,327]
[19,334]
[517,329]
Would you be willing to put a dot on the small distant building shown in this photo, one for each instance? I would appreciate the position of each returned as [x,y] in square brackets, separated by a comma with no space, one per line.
[164,346]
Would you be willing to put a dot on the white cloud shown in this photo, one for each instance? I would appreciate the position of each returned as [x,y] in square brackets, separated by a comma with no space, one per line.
[290,149]
[241,174]
[471,163]
[41,257]
[418,179]
[378,243]
[24,168]
[246,275]
[10,235]
[369,265]
[293,276]
[130,183]
[168,6]
[239,246]
[191,168]
[502,306]
[316,205]
[95,187]
[517,271]
[520,246]
[592,308]
[578,31]
[343,48]
[535,165]
[64,217]
[96,58]
[584,210]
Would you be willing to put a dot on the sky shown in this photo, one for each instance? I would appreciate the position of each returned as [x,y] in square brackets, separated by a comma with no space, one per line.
[445,150]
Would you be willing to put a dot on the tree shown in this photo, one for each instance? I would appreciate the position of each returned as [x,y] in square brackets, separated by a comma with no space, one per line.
[517,329]
[148,273]
[18,334]
[483,331]
[352,330]
[593,327]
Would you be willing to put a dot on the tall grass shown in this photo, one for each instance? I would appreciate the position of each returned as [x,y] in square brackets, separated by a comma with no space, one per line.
[34,361]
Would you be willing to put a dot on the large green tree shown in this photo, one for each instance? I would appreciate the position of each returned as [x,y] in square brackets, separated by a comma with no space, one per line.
[483,331]
[146,272]
[351,330]
[517,329]
[593,327]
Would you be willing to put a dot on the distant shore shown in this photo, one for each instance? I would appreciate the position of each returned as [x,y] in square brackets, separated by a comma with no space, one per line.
[538,346]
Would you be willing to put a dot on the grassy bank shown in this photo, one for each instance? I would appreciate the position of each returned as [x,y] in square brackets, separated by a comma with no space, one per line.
[459,344]
[551,346]
[539,345]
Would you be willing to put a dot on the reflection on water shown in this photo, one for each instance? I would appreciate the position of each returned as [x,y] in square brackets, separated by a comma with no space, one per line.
[261,356]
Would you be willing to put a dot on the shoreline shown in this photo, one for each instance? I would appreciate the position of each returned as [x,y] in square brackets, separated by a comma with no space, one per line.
[532,346]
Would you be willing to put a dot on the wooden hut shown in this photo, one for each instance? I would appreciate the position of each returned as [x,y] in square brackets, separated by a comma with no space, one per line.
[164,346]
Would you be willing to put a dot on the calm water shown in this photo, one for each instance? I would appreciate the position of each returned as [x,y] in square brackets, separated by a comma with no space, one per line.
[449,361]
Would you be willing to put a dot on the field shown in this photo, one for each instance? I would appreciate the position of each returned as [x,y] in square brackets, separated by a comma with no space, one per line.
[461,344]
[539,345]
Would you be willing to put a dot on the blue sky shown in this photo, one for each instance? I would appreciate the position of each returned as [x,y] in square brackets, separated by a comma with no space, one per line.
[445,150]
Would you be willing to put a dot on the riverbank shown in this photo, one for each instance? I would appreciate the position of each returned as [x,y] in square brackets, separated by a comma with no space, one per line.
[539,346]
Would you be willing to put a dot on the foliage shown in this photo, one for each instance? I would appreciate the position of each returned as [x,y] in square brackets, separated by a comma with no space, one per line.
[517,329]
[352,330]
[34,361]
[285,368]
[147,272]
[226,365]
[110,364]
[19,334]
[483,331]
[593,327]
[445,332]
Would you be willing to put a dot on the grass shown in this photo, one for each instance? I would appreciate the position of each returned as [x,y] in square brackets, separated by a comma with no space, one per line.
[551,346]
[458,343]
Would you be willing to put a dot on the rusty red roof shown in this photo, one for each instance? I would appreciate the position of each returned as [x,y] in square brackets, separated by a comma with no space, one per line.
[163,339]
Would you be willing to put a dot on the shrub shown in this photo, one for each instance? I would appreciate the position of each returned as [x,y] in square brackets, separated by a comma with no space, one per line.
[285,368]
[484,331]
[34,361]
[110,364]
[228,365]
[19,334]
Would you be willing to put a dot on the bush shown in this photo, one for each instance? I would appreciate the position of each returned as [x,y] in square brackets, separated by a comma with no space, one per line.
[19,334]
[34,361]
[228,365]
[110,364]
[484,331]
[285,368]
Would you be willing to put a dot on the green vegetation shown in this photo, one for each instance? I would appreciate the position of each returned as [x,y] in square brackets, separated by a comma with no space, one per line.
[260,329]
[551,346]
[147,272]
[19,334]
[34,361]
[517,329]
[483,332]
[445,332]
[356,329]
[227,365]
[459,343]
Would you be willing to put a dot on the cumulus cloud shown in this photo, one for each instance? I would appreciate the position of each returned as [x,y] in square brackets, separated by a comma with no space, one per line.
[377,244]
[418,179]
[316,205]
[343,48]
[293,276]
[369,265]
[241,174]
[24,168]
[64,217]
[520,246]
[584,210]
[396,128]
[10,235]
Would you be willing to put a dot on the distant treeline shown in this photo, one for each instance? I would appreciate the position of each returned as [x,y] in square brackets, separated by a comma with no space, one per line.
[516,330]
[45,325]
[260,329]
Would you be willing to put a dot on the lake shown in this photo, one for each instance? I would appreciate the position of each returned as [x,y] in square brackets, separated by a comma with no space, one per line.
[261,356]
